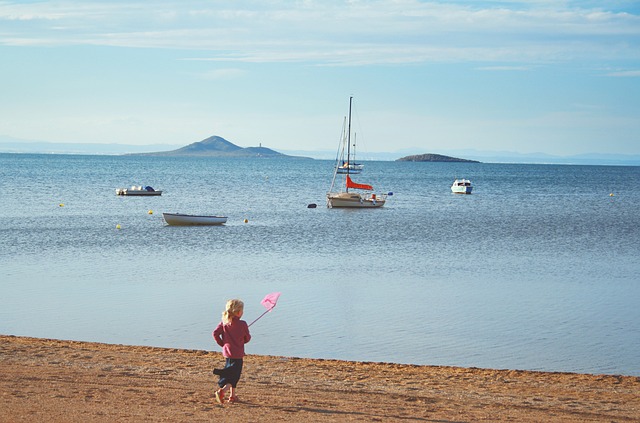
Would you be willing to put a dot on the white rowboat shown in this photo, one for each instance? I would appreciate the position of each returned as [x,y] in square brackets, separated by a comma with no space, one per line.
[178,219]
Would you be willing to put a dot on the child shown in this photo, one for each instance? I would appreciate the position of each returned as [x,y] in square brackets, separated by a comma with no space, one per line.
[231,334]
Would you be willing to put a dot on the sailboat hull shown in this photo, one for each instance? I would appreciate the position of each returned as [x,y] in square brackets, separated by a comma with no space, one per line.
[354,200]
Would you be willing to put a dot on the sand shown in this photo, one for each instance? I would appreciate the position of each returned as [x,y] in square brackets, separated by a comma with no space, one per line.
[67,381]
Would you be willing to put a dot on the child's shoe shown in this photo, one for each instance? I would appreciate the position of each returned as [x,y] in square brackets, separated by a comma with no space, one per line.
[220,396]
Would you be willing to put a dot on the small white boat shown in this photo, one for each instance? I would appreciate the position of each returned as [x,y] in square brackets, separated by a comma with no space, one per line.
[346,160]
[178,219]
[137,190]
[351,168]
[461,186]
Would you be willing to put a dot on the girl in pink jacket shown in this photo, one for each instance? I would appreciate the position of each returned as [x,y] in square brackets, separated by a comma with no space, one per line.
[231,334]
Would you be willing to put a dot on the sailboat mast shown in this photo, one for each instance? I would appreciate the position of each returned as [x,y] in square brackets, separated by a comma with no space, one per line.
[349,137]
[349,142]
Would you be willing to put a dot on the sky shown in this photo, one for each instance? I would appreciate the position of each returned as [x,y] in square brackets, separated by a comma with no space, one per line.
[540,76]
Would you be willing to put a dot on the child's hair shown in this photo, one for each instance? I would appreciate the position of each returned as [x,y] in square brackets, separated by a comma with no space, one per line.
[233,308]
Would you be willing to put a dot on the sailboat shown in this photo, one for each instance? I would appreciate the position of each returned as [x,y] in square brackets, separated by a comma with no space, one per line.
[344,197]
[346,159]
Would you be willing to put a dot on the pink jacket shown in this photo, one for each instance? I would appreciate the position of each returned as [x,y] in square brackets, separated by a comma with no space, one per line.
[232,337]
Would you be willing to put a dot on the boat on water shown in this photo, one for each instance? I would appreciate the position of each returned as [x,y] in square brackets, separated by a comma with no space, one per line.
[138,190]
[351,168]
[346,157]
[461,186]
[346,195]
[179,219]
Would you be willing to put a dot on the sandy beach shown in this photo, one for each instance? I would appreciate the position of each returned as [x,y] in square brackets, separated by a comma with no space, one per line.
[55,380]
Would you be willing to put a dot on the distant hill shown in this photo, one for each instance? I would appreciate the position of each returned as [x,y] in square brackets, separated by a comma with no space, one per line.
[433,158]
[216,146]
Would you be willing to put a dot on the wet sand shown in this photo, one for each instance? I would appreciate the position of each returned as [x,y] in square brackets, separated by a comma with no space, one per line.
[68,381]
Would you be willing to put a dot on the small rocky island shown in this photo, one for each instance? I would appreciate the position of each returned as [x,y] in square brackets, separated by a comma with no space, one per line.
[433,158]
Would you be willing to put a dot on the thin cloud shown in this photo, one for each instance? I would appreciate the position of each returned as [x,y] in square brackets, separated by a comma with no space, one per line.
[625,74]
[332,33]
[504,68]
[221,74]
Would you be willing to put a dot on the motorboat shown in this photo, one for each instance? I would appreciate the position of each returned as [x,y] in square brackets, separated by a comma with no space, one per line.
[179,219]
[138,190]
[461,186]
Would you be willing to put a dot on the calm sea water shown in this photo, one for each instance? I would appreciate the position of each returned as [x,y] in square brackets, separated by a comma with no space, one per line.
[538,269]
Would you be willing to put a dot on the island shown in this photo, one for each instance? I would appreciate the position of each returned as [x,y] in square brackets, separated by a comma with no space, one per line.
[433,158]
[216,146]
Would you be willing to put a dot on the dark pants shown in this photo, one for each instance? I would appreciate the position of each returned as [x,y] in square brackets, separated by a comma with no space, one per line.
[231,372]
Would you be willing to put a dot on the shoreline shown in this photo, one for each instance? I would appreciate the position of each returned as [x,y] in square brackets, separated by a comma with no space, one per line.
[58,380]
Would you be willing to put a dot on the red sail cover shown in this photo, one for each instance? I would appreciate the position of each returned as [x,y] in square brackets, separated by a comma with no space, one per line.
[351,184]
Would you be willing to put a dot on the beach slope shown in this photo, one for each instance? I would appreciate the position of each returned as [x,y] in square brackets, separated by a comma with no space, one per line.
[67,381]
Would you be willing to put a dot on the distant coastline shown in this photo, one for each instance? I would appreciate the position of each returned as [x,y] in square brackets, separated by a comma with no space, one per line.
[11,145]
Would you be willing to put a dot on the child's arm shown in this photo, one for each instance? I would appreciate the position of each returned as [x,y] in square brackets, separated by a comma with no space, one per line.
[247,336]
[218,335]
